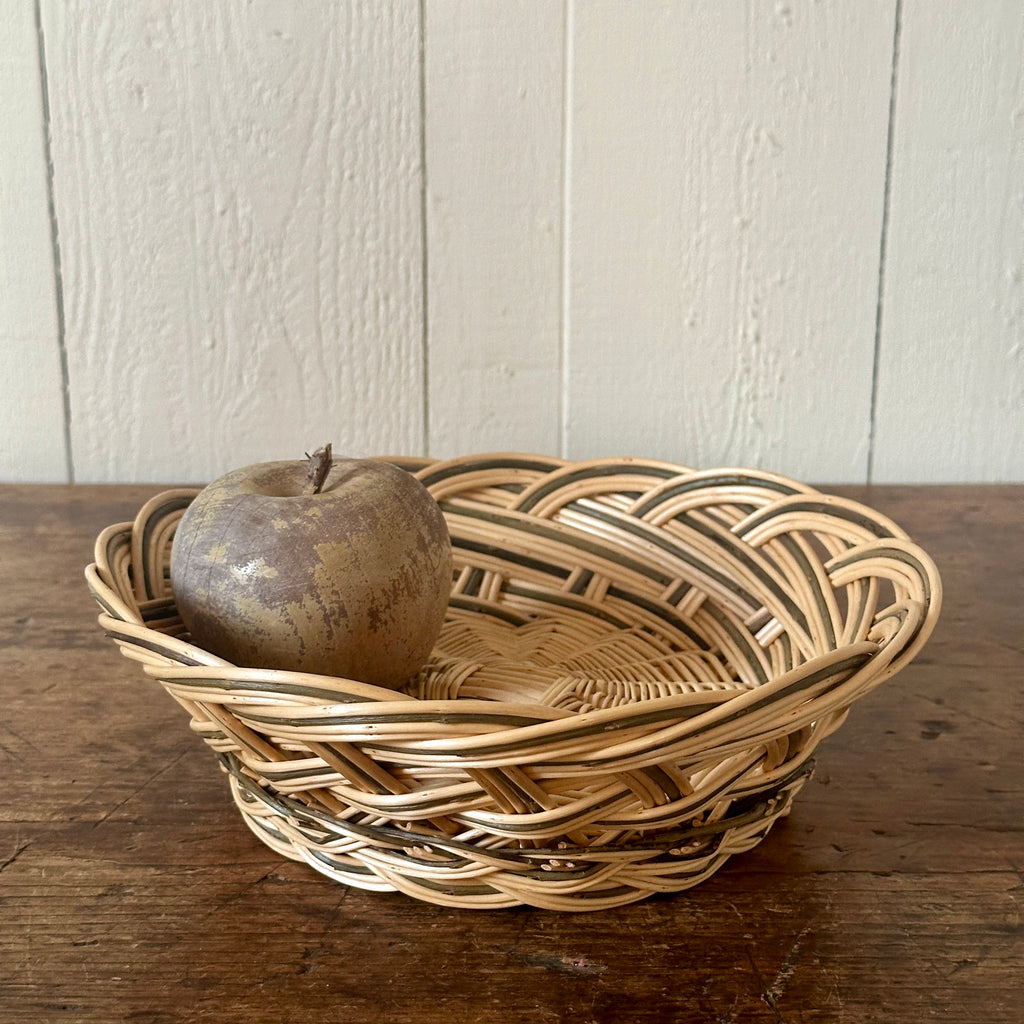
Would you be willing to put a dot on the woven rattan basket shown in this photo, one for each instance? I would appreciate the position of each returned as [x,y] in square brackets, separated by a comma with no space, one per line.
[638,664]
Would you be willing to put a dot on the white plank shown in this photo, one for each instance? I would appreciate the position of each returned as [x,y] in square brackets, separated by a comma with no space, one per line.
[32,444]
[951,382]
[238,194]
[727,181]
[493,93]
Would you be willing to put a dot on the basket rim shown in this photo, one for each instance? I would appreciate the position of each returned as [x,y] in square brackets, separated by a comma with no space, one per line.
[128,539]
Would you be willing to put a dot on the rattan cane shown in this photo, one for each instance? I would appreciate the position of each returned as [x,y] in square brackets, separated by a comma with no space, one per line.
[637,667]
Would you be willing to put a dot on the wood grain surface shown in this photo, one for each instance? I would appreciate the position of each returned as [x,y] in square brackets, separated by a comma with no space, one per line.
[131,891]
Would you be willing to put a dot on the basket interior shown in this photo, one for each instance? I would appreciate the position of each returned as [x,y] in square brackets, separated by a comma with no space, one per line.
[586,587]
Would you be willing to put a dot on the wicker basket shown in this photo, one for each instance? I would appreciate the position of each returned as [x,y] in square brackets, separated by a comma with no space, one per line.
[638,664]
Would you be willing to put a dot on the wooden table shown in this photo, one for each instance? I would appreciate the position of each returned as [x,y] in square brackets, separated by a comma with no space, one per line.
[130,890]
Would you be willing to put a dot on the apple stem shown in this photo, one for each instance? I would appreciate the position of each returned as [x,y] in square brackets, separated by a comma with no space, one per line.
[316,472]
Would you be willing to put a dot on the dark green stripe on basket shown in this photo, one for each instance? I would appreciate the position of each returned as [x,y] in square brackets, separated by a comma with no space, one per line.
[582,582]
[653,716]
[541,528]
[465,467]
[840,669]
[155,647]
[105,605]
[275,686]
[662,611]
[562,599]
[681,806]
[896,554]
[723,480]
[160,610]
[797,554]
[526,561]
[121,539]
[741,638]
[481,607]
[473,582]
[400,842]
[566,820]
[398,718]
[724,540]
[818,507]
[157,515]
[561,480]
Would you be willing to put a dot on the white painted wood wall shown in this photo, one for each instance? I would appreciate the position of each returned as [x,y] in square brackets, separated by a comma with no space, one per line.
[786,234]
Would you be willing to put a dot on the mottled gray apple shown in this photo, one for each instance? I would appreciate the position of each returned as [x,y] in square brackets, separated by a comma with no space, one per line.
[348,576]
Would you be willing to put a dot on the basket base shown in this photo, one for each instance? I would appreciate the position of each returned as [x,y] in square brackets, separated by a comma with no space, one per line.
[452,872]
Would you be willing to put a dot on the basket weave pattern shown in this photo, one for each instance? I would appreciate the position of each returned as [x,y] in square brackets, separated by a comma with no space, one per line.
[638,664]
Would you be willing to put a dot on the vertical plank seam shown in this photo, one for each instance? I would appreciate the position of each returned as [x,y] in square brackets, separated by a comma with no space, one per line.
[565,262]
[884,238]
[58,276]
[424,254]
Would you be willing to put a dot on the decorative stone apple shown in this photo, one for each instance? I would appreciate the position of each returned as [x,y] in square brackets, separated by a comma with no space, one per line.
[337,567]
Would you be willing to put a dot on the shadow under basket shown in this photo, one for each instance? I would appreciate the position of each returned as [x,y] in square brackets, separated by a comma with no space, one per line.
[638,664]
